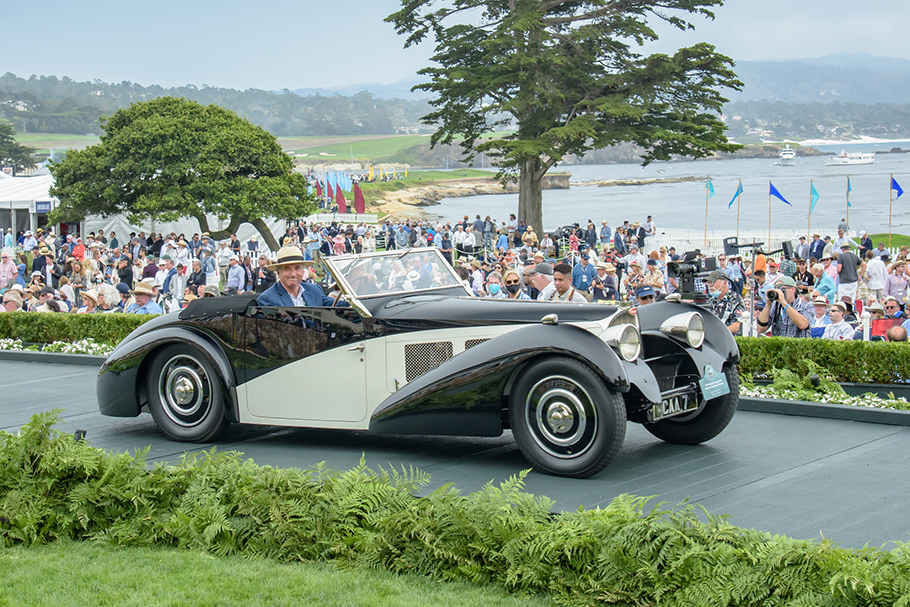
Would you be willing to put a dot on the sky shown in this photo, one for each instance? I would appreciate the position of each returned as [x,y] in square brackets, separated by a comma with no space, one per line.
[278,44]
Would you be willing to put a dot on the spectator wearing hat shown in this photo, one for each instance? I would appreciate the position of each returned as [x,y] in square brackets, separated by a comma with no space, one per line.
[848,269]
[829,249]
[145,303]
[842,239]
[820,319]
[817,247]
[865,244]
[89,302]
[542,280]
[583,273]
[644,295]
[605,233]
[46,301]
[726,304]
[897,284]
[635,278]
[788,315]
[30,242]
[252,245]
[235,276]
[604,287]
[210,291]
[654,276]
[838,329]
[290,290]
[12,301]
[263,277]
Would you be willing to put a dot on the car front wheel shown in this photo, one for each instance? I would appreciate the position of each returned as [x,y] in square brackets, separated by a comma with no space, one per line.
[566,421]
[185,396]
[706,422]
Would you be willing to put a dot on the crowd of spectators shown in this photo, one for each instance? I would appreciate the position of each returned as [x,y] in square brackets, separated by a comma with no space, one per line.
[818,291]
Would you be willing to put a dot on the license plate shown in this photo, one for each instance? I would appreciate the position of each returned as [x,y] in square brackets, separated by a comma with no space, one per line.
[674,405]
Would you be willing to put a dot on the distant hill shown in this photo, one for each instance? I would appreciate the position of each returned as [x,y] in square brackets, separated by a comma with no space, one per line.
[844,77]
[395,90]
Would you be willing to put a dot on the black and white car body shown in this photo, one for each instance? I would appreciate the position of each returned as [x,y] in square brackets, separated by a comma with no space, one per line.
[426,357]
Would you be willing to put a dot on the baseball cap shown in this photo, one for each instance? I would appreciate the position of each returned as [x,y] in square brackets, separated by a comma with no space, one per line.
[544,268]
[715,275]
[645,291]
[123,288]
[786,281]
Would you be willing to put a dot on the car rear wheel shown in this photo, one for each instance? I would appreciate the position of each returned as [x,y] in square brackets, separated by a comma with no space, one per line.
[564,418]
[185,395]
[707,422]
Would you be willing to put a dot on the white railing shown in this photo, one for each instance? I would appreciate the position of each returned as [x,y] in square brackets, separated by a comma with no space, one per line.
[343,218]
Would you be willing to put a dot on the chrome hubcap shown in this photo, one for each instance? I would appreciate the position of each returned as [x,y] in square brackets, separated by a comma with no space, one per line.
[561,416]
[185,390]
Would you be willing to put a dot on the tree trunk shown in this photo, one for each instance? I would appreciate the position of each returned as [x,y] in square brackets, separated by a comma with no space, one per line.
[266,233]
[530,195]
[221,234]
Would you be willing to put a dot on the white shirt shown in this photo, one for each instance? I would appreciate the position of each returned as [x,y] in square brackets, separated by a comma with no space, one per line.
[547,290]
[460,237]
[876,273]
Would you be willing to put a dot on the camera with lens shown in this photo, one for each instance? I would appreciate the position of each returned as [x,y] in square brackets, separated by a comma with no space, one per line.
[772,295]
[688,270]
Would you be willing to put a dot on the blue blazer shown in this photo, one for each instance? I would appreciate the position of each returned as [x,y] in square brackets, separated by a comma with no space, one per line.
[277,295]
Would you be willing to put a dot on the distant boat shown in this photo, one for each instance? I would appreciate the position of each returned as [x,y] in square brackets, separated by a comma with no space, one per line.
[851,158]
[787,156]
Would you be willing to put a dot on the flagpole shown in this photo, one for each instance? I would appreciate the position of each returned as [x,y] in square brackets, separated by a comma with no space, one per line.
[809,225]
[705,246]
[890,205]
[739,198]
[769,212]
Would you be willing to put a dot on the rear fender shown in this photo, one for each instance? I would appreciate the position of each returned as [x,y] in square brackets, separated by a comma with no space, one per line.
[463,396]
[121,379]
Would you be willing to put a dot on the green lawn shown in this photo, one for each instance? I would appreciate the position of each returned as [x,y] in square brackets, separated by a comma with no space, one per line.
[897,240]
[45,141]
[77,574]
[374,191]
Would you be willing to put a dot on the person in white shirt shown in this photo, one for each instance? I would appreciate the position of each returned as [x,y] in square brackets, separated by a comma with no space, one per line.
[838,329]
[562,283]
[876,275]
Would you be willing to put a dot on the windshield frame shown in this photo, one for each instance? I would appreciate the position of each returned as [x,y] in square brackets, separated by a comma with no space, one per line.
[331,263]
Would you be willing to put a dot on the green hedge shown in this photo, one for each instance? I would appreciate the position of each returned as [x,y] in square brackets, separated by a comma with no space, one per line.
[52,486]
[874,362]
[45,328]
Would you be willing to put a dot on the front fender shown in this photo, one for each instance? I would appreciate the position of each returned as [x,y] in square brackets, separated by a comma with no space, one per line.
[463,396]
[121,380]
[717,336]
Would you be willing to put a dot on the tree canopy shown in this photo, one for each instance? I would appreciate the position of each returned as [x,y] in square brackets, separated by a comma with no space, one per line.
[12,153]
[564,77]
[170,158]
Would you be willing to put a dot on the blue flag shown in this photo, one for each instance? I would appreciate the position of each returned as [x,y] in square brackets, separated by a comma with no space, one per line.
[849,189]
[739,191]
[896,187]
[777,194]
[813,197]
[710,187]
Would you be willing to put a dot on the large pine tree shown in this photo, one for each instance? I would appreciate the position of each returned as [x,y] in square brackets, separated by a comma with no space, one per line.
[563,77]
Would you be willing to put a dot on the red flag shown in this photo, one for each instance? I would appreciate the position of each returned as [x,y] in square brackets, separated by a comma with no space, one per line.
[328,188]
[359,203]
[339,200]
[319,189]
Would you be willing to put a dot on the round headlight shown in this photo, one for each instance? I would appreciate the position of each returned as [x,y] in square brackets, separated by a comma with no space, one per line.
[626,339]
[695,332]
[689,326]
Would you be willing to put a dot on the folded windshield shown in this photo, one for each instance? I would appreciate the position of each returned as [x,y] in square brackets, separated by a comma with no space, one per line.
[394,271]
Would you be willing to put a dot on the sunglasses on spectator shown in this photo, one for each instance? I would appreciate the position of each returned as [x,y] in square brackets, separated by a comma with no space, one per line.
[891,306]
[513,282]
[646,298]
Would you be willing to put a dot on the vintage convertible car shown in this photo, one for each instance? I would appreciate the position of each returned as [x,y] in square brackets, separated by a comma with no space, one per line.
[413,352]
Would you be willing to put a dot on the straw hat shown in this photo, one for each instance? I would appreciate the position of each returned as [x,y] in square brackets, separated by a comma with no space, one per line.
[289,256]
[91,294]
[606,265]
[143,288]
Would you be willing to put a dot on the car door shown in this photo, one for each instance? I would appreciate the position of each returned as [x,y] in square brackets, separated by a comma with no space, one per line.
[305,365]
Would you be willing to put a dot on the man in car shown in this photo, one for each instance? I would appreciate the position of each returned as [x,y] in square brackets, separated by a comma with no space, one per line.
[290,290]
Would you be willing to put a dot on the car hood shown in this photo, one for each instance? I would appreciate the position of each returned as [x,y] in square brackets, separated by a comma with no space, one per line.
[484,309]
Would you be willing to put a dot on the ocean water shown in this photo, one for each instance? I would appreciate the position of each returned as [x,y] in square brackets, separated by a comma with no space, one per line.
[682,205]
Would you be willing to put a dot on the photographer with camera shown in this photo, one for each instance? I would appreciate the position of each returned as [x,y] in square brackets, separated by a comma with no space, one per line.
[786,314]
[725,302]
